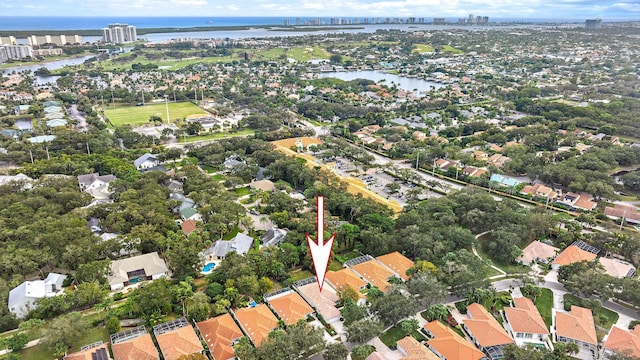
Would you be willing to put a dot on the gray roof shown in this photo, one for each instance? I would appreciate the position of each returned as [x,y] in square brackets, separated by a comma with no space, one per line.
[88,179]
[151,263]
[137,162]
[273,236]
[26,293]
[240,244]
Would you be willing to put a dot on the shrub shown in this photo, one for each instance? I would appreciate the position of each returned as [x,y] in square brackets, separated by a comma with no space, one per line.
[118,296]
[462,307]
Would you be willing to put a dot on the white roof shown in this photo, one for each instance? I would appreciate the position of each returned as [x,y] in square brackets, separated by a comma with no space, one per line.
[151,263]
[35,289]
[537,250]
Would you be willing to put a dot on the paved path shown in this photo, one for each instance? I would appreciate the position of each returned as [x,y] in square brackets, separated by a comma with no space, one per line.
[29,344]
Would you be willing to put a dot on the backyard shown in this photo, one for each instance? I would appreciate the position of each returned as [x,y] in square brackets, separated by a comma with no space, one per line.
[391,336]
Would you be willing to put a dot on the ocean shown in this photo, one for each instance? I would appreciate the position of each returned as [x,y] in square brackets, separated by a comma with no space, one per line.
[90,23]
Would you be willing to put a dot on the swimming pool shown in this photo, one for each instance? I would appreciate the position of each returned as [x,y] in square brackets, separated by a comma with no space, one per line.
[207,269]
[253,304]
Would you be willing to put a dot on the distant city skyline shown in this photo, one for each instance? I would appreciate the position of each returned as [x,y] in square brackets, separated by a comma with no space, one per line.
[541,9]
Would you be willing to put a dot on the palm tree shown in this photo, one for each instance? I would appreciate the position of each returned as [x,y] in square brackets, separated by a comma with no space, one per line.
[437,312]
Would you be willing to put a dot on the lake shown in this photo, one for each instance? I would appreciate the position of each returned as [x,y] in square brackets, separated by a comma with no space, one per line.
[404,83]
[52,65]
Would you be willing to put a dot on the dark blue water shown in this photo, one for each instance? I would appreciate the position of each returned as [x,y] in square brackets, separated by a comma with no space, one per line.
[84,23]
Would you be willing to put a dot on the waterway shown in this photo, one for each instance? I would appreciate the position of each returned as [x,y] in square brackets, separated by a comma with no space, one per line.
[52,65]
[418,86]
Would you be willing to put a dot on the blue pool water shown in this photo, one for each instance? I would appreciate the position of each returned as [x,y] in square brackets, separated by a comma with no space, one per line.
[253,304]
[207,268]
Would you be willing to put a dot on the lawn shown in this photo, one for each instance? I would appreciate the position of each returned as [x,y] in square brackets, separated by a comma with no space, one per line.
[218,177]
[391,336]
[346,256]
[300,54]
[450,49]
[242,191]
[300,275]
[506,267]
[544,304]
[231,234]
[138,115]
[41,352]
[422,48]
[219,135]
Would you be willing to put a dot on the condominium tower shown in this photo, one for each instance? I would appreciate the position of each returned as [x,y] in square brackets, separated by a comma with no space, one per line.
[119,34]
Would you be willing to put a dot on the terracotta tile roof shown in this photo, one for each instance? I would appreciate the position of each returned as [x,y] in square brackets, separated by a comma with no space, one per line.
[87,354]
[398,263]
[140,348]
[344,277]
[525,318]
[629,212]
[220,333]
[617,268]
[374,273]
[485,328]
[451,345]
[573,254]
[578,325]
[414,350]
[178,342]
[290,307]
[324,302]
[257,322]
[188,226]
[623,341]
[584,202]
[537,250]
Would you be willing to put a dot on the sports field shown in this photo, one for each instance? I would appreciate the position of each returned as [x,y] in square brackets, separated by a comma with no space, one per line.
[138,115]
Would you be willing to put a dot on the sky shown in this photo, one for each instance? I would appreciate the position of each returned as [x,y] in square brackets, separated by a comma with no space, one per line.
[532,9]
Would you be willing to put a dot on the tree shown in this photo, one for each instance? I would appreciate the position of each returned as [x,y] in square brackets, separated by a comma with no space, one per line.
[335,59]
[112,324]
[198,308]
[573,277]
[93,271]
[437,312]
[426,289]
[194,128]
[183,293]
[17,342]
[364,330]
[352,312]
[155,119]
[347,293]
[335,351]
[410,326]
[361,352]
[65,330]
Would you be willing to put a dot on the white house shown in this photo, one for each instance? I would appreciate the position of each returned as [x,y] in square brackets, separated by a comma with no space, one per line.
[96,185]
[129,271]
[146,161]
[23,297]
[240,244]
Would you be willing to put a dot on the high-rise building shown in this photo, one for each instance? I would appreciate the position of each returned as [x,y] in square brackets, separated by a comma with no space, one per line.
[439,21]
[7,40]
[119,34]
[59,40]
[15,52]
[592,23]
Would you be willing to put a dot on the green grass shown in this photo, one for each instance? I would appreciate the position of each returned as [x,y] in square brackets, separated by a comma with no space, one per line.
[334,265]
[300,275]
[451,49]
[343,257]
[138,115]
[231,234]
[391,336]
[219,135]
[509,268]
[422,48]
[544,304]
[242,191]
[300,54]
[40,352]
[218,177]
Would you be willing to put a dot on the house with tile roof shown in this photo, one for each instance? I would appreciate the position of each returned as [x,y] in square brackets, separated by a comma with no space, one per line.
[570,255]
[220,334]
[577,326]
[177,338]
[133,344]
[617,268]
[485,331]
[398,263]
[539,191]
[96,351]
[581,201]
[188,226]
[412,349]
[256,322]
[525,325]
[324,302]
[346,277]
[628,212]
[622,341]
[374,273]
[538,252]
[289,306]
[448,345]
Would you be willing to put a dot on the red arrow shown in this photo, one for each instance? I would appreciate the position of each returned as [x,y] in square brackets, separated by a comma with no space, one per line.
[321,251]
